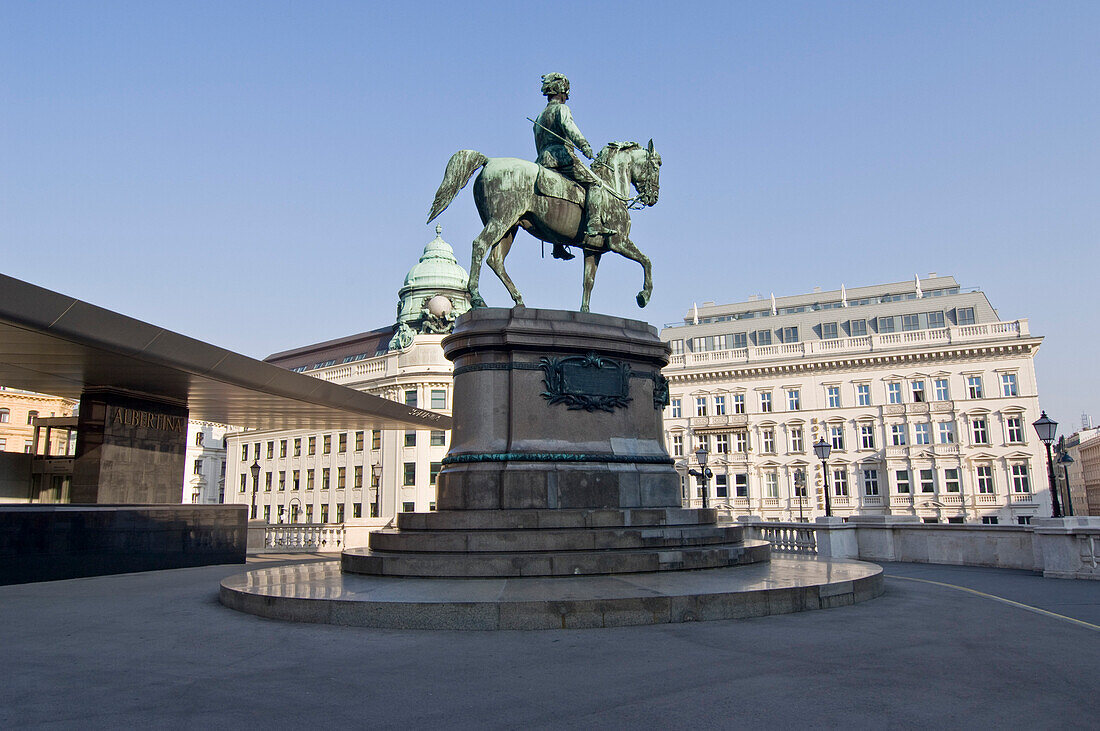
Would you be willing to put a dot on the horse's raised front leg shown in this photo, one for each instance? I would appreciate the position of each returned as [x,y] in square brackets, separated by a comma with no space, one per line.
[626,247]
[493,232]
[591,261]
[496,261]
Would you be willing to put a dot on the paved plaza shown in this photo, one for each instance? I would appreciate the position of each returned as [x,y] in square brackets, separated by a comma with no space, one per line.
[944,646]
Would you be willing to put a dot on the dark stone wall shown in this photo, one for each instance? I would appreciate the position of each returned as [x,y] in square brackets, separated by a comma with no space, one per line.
[50,542]
[129,450]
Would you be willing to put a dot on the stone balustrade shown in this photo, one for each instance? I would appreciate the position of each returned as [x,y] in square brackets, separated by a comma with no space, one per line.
[1055,547]
[865,344]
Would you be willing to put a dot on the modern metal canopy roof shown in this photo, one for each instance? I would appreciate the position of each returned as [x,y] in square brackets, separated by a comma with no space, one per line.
[55,344]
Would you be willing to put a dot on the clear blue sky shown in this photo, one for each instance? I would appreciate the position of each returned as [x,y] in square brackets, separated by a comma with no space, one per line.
[258,174]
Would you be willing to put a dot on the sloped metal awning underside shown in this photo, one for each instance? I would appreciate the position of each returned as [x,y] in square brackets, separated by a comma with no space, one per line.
[55,344]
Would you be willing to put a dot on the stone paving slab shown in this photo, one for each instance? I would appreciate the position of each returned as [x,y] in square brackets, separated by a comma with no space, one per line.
[322,593]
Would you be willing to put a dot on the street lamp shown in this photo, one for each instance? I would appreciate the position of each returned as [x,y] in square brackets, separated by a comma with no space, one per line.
[376,481]
[823,449]
[255,470]
[1065,460]
[1046,428]
[702,473]
[799,490]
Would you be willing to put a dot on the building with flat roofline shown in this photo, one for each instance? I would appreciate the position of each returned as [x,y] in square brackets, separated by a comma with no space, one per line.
[924,393]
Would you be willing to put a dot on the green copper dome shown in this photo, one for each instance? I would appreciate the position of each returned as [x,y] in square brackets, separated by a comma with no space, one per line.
[438,268]
[433,295]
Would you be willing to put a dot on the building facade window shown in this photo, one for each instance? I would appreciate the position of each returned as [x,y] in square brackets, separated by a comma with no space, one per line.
[858,328]
[282,449]
[794,400]
[1021,479]
[918,391]
[840,482]
[867,436]
[901,478]
[359,441]
[863,394]
[676,406]
[439,398]
[326,444]
[310,481]
[893,392]
[326,478]
[719,405]
[298,447]
[951,479]
[836,436]
[341,477]
[974,386]
[797,443]
[738,403]
[358,477]
[768,438]
[927,481]
[700,405]
[434,468]
[790,335]
[311,449]
[947,432]
[410,437]
[922,434]
[870,482]
[989,520]
[828,331]
[410,397]
[965,315]
[282,480]
[342,443]
[376,439]
[244,483]
[741,485]
[741,442]
[295,480]
[771,484]
[677,445]
[979,431]
[942,391]
[722,443]
[409,474]
[244,453]
[985,480]
[832,395]
[438,438]
[765,402]
[1015,427]
[897,435]
[1008,385]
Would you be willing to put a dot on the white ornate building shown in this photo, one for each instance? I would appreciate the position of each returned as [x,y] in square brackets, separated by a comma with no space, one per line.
[925,394]
[204,463]
[363,476]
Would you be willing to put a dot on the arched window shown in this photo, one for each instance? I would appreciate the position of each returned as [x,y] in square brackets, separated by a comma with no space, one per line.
[31,416]
[5,416]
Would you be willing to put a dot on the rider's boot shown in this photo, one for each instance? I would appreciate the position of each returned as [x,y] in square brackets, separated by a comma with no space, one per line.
[561,252]
[595,232]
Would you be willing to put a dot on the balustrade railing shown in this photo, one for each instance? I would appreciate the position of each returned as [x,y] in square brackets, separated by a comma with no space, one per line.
[867,343]
[788,537]
[327,537]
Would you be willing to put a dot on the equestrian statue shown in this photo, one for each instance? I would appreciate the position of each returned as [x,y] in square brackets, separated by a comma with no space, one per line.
[557,199]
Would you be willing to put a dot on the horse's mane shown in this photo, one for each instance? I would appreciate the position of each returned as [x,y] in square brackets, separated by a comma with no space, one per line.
[613,148]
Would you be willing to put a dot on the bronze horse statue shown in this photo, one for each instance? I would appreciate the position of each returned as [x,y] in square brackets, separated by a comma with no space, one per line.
[510,193]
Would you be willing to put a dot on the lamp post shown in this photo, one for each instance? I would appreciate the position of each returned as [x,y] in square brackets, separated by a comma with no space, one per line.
[799,490]
[255,470]
[702,473]
[1065,460]
[823,449]
[376,479]
[1046,428]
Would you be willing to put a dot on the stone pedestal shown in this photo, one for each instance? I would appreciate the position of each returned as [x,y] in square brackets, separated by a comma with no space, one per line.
[556,410]
[557,464]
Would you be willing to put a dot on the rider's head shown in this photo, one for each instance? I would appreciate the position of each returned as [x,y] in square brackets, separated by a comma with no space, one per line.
[554,84]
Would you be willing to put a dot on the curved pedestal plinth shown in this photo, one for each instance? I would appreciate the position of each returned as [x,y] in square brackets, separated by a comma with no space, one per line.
[321,593]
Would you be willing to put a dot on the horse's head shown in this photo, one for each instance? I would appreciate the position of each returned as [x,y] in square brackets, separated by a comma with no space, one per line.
[632,164]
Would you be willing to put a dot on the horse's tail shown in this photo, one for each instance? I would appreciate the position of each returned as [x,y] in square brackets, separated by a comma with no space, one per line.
[462,165]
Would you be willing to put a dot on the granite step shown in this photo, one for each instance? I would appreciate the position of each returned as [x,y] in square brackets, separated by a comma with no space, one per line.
[549,518]
[568,539]
[554,563]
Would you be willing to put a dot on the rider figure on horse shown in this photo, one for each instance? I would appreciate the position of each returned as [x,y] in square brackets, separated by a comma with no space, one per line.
[556,136]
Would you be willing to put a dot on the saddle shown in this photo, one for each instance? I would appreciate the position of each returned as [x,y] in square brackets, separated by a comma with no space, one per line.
[555,185]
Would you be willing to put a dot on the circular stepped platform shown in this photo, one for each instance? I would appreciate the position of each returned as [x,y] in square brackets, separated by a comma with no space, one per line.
[571,542]
[321,592]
